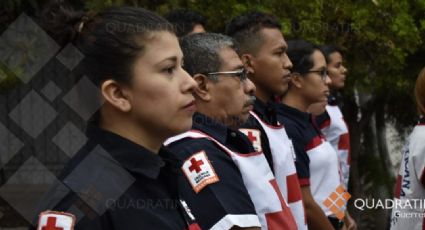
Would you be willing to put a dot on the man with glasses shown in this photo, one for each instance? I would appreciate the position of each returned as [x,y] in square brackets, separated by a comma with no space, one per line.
[226,183]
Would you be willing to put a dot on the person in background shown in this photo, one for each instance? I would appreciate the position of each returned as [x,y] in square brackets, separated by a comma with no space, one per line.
[146,97]
[331,122]
[186,22]
[410,184]
[262,49]
[316,161]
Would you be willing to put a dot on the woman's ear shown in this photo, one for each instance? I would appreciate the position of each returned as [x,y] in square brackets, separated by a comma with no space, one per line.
[114,94]
[297,81]
[248,62]
[204,87]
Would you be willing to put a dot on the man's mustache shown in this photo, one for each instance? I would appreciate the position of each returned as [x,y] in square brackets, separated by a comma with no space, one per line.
[250,101]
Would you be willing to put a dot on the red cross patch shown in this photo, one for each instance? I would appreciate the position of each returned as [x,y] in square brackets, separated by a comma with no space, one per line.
[254,135]
[51,220]
[199,171]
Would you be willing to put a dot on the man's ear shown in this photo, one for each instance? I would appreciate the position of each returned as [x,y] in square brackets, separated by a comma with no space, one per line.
[203,91]
[115,94]
[248,62]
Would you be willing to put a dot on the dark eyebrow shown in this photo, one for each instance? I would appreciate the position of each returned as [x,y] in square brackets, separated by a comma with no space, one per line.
[281,48]
[172,59]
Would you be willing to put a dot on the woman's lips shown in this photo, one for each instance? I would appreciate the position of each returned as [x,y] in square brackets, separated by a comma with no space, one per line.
[191,107]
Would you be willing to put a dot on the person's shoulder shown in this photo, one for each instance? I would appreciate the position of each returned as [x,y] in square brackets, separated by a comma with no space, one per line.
[417,136]
[88,177]
[184,148]
[292,128]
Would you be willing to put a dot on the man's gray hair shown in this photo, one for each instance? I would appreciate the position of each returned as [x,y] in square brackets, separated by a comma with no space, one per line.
[201,52]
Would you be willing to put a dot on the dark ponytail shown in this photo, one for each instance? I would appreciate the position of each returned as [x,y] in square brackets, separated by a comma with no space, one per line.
[110,40]
[61,21]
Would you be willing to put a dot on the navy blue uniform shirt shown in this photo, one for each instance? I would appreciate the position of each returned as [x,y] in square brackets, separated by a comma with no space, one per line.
[301,131]
[113,183]
[228,195]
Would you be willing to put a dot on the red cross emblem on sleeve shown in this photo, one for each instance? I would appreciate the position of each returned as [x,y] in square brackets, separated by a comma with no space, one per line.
[199,171]
[196,165]
[51,220]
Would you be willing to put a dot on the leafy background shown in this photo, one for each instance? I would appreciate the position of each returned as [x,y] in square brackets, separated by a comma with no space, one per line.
[383,42]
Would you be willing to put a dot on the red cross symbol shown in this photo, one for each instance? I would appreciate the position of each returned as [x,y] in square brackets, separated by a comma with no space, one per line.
[196,165]
[51,224]
[251,137]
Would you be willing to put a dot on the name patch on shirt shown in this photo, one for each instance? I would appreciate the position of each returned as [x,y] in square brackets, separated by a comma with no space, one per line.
[199,171]
[56,220]
[254,136]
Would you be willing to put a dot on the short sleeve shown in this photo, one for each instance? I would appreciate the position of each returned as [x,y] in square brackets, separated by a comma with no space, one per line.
[220,204]
[302,161]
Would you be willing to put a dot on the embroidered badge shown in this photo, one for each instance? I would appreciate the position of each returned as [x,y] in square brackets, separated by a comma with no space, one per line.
[52,220]
[199,171]
[254,135]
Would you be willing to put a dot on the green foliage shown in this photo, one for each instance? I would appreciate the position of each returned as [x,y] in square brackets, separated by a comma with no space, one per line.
[378,36]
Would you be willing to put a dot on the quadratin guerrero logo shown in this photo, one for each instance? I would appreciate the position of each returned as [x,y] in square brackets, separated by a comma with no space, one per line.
[336,201]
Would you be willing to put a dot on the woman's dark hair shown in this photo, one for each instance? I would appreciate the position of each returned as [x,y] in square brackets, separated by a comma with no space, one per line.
[327,50]
[109,40]
[300,53]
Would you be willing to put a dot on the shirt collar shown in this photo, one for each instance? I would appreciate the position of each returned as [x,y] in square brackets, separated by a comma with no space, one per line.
[266,110]
[421,120]
[332,100]
[213,128]
[293,112]
[132,156]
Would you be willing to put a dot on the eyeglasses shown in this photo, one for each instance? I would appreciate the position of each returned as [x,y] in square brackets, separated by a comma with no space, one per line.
[242,74]
[322,72]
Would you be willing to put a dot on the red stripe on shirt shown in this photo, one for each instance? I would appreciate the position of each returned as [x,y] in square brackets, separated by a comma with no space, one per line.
[294,190]
[283,219]
[344,142]
[316,141]
[325,124]
[194,226]
[304,181]
[397,188]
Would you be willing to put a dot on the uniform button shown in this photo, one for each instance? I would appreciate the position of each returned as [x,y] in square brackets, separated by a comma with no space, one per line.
[233,134]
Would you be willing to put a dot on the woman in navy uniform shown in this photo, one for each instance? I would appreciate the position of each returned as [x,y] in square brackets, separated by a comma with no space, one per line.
[123,178]
[316,161]
[331,122]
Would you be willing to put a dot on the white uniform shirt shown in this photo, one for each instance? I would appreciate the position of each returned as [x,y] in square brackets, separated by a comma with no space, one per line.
[408,212]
